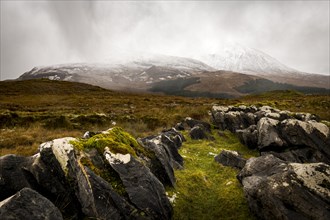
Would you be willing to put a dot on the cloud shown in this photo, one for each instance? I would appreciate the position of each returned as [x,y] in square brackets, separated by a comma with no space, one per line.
[37,33]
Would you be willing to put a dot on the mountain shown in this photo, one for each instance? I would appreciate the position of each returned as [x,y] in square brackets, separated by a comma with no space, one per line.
[237,58]
[246,71]
[132,74]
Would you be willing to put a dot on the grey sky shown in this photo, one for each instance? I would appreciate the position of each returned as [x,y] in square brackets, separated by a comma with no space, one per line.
[35,33]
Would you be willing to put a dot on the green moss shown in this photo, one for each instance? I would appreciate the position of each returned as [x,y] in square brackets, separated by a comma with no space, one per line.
[108,174]
[206,189]
[117,140]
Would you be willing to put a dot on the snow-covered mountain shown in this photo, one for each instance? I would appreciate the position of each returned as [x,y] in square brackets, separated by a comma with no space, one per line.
[237,58]
[240,68]
[134,73]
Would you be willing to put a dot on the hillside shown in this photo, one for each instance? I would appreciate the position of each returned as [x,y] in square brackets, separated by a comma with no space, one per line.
[233,72]
[41,105]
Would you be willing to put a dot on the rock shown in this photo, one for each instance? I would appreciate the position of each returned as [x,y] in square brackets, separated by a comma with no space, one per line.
[300,155]
[172,147]
[28,204]
[12,174]
[268,137]
[192,123]
[99,200]
[179,126]
[233,118]
[165,146]
[18,172]
[306,117]
[248,136]
[311,134]
[144,190]
[89,134]
[198,133]
[231,159]
[276,189]
[273,115]
[175,136]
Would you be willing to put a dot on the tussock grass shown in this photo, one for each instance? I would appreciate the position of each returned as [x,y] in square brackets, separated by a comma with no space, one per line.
[206,189]
[25,141]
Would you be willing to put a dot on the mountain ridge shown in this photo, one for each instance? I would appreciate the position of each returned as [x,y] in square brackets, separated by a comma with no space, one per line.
[217,75]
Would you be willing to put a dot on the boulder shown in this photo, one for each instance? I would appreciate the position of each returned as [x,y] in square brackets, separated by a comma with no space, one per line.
[198,133]
[276,189]
[99,200]
[268,136]
[233,118]
[248,136]
[312,134]
[193,122]
[13,175]
[179,126]
[165,147]
[231,159]
[28,204]
[300,155]
[144,190]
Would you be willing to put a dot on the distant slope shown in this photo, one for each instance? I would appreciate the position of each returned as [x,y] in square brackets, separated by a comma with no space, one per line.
[225,84]
[237,58]
[246,71]
[134,74]
[48,87]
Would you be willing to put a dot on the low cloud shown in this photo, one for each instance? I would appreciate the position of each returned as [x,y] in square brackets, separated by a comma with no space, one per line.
[35,33]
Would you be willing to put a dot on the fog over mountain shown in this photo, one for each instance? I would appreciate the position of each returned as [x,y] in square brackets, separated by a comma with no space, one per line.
[41,33]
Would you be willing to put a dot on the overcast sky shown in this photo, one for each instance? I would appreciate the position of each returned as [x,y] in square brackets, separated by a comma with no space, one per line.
[36,33]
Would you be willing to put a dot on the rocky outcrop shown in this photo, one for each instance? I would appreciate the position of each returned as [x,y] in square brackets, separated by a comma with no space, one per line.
[193,123]
[276,189]
[198,133]
[231,159]
[28,204]
[111,181]
[144,190]
[296,137]
[165,147]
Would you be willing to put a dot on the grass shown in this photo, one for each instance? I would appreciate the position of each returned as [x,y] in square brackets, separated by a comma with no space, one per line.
[205,189]
[34,111]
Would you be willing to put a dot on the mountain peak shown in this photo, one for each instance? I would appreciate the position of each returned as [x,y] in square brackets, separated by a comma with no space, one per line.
[238,58]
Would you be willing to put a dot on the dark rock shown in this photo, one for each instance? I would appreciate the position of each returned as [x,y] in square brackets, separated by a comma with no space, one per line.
[276,189]
[172,147]
[300,155]
[144,190]
[192,123]
[268,136]
[233,118]
[198,133]
[231,159]
[59,176]
[99,200]
[13,175]
[165,146]
[249,136]
[28,204]
[175,136]
[179,126]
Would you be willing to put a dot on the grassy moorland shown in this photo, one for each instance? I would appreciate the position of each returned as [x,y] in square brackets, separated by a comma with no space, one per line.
[35,111]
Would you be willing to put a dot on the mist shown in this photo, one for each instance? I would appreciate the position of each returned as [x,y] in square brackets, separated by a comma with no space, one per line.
[36,33]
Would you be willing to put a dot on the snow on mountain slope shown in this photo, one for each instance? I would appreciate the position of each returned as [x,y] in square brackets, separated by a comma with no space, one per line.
[235,57]
[131,72]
